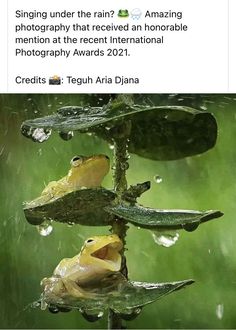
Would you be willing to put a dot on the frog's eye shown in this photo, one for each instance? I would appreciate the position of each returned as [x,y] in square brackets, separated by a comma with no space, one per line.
[75,161]
[90,240]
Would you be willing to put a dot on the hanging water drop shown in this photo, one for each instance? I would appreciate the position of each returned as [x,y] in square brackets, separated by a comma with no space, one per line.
[45,229]
[53,309]
[166,239]
[92,316]
[157,179]
[40,134]
[191,226]
[36,134]
[66,136]
[220,311]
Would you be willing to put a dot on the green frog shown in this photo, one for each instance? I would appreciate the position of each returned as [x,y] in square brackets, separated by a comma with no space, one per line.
[76,277]
[123,13]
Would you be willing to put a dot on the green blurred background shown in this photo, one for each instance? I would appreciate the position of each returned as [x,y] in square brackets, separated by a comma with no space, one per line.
[202,182]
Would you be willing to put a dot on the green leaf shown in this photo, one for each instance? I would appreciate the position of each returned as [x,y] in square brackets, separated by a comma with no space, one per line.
[122,298]
[162,219]
[85,207]
[158,132]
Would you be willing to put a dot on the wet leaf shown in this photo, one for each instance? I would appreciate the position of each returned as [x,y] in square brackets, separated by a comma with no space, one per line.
[158,132]
[85,207]
[163,219]
[123,298]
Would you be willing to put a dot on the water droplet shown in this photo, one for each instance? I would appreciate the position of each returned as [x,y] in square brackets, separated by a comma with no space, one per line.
[41,134]
[45,229]
[157,179]
[92,316]
[191,226]
[111,146]
[53,309]
[70,224]
[40,152]
[166,239]
[66,136]
[131,314]
[86,108]
[220,311]
[35,134]
[124,166]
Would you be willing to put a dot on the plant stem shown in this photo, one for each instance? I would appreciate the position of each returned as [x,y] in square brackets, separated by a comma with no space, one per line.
[119,227]
[114,321]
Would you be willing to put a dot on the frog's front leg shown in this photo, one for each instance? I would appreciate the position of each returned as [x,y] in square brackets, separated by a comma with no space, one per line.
[56,188]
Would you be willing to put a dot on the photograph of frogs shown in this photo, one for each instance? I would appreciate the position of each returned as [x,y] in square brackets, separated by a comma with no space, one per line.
[94,193]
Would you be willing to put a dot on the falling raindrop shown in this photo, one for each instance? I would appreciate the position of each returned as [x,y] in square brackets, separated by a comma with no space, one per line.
[66,136]
[45,229]
[220,311]
[157,178]
[166,239]
[40,152]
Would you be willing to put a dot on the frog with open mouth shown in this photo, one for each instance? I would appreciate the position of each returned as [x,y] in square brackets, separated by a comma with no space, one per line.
[77,277]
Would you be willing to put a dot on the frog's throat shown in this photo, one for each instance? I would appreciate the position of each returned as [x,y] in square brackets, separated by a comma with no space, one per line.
[108,256]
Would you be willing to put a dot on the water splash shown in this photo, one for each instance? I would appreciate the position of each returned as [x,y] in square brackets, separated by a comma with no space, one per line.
[166,239]
[157,178]
[45,229]
[220,311]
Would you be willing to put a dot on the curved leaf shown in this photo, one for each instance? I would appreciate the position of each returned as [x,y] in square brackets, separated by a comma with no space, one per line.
[123,298]
[163,219]
[85,207]
[158,132]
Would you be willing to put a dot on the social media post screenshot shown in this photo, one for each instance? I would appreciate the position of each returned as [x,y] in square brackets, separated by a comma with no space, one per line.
[117,164]
[146,47]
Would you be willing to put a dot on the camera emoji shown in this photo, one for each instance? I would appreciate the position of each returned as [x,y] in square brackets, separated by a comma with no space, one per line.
[55,80]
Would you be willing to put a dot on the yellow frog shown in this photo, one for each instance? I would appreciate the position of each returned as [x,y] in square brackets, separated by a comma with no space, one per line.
[77,276]
[85,172]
